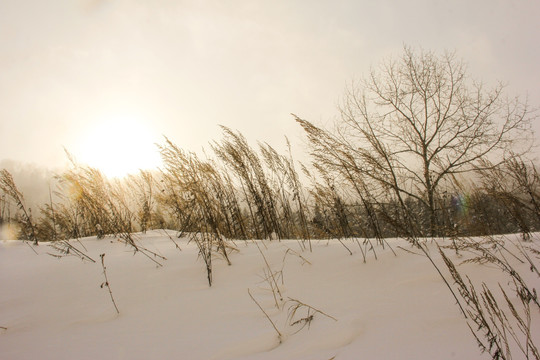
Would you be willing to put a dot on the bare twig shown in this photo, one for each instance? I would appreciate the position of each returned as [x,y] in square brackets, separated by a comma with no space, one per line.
[170,237]
[106,283]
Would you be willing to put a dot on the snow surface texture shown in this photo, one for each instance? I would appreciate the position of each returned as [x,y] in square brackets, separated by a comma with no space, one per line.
[395,307]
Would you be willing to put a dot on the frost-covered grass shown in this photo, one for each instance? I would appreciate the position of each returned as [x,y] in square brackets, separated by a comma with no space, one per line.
[396,307]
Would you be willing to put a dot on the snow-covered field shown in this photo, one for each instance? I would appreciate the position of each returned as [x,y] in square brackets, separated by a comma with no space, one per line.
[395,307]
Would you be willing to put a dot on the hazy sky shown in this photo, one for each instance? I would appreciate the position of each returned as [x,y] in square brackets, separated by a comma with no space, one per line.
[73,69]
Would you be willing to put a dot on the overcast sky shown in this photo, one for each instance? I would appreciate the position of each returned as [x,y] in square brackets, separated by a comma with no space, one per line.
[180,68]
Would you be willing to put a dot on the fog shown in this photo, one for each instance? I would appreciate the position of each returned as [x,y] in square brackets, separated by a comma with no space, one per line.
[33,181]
[184,67]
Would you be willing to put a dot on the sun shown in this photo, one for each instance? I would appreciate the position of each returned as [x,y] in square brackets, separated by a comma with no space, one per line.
[119,145]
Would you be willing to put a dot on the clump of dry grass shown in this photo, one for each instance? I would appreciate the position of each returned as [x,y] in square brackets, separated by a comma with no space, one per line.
[299,315]
[8,187]
[499,326]
[303,314]
[202,201]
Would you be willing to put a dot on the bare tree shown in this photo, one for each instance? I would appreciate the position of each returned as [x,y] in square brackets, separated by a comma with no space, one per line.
[416,122]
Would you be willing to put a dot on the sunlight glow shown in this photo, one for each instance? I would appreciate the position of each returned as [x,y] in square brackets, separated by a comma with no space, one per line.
[119,145]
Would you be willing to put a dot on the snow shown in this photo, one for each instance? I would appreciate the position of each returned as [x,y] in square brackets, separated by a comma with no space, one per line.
[395,306]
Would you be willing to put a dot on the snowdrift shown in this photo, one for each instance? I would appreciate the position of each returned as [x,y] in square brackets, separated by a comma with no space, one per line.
[392,306]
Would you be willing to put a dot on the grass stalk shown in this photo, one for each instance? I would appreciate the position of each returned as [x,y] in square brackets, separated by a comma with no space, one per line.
[280,336]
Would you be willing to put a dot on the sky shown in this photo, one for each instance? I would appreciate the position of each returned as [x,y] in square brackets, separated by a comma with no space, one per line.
[107,79]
